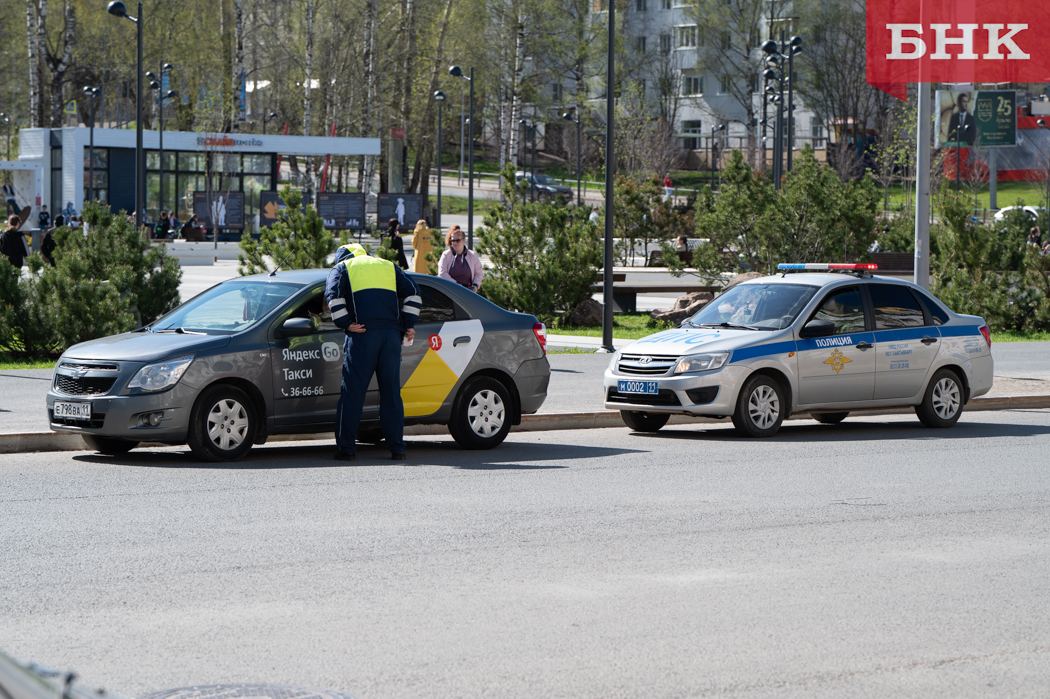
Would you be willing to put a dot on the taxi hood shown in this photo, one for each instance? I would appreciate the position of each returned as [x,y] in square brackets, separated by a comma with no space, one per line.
[145,346]
[682,341]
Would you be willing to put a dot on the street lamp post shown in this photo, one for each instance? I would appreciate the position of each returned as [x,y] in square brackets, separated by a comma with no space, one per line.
[92,92]
[568,117]
[714,129]
[439,97]
[959,131]
[117,9]
[159,87]
[793,47]
[610,174]
[1042,124]
[457,72]
[530,131]
[267,118]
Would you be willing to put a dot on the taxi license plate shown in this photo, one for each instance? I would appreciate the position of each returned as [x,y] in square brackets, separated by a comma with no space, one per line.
[78,411]
[650,388]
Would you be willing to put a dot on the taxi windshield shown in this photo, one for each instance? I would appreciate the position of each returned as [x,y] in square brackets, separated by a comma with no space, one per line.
[227,308]
[756,306]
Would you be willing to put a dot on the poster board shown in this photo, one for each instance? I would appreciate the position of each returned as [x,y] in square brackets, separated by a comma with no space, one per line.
[342,210]
[406,208]
[225,210]
[983,118]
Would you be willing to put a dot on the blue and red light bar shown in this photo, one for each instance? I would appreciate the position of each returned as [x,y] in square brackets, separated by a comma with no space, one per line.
[827,267]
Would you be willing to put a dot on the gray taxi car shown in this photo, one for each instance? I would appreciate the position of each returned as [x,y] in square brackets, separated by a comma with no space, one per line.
[258,356]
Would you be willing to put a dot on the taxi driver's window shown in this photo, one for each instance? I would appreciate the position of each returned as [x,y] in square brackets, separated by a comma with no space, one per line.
[845,310]
[895,307]
[436,306]
[316,308]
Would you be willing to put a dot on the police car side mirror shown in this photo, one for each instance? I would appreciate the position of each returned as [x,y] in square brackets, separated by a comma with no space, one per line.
[296,327]
[817,328]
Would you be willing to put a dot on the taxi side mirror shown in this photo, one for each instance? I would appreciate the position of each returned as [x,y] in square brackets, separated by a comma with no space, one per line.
[817,328]
[296,327]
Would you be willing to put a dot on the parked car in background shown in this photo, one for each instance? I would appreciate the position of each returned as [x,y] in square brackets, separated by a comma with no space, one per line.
[1033,212]
[546,187]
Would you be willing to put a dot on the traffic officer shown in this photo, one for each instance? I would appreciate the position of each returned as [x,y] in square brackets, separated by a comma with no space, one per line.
[374,302]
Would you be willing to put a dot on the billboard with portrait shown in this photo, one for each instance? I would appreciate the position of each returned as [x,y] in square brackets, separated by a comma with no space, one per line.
[982,118]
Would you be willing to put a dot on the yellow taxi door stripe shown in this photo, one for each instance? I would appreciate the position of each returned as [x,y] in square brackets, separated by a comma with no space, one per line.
[428,386]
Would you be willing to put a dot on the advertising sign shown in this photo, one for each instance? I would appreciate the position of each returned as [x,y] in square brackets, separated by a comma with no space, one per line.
[927,41]
[406,208]
[223,210]
[342,210]
[982,118]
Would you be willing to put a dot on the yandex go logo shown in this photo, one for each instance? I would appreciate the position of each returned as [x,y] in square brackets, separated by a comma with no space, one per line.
[956,41]
[996,41]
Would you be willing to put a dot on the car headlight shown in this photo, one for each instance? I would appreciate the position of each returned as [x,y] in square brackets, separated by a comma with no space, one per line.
[701,362]
[614,361]
[159,376]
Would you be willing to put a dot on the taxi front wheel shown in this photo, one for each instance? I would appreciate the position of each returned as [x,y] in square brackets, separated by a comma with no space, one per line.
[943,403]
[481,415]
[222,424]
[760,407]
[644,422]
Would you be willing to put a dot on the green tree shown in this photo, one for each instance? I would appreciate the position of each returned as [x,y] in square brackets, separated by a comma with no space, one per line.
[297,240]
[544,257]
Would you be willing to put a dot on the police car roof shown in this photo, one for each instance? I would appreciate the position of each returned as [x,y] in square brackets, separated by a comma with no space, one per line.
[820,279]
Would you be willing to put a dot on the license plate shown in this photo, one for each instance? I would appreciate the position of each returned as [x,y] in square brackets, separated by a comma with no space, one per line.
[650,388]
[79,411]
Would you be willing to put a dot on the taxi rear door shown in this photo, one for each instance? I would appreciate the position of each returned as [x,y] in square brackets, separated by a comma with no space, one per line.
[839,368]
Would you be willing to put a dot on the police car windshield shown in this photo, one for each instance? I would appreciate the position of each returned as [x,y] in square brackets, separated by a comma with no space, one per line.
[227,308]
[756,306]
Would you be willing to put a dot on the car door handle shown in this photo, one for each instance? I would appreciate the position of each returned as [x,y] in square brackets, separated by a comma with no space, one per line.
[928,340]
[864,345]
[458,340]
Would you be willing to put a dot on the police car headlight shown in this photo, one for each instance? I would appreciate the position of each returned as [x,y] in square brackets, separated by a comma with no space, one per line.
[701,362]
[162,375]
[614,361]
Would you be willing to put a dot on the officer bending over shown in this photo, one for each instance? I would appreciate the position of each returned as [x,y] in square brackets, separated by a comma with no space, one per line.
[374,302]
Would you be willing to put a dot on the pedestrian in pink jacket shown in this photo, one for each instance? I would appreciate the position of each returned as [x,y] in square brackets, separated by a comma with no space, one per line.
[459,263]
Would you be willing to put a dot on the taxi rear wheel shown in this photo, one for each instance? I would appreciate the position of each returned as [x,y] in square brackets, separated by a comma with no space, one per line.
[943,403]
[109,446]
[644,422]
[830,418]
[760,408]
[222,424]
[481,415]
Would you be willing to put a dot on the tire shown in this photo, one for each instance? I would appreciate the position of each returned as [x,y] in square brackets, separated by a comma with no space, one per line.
[644,422]
[109,446]
[943,403]
[760,409]
[830,418]
[481,414]
[223,424]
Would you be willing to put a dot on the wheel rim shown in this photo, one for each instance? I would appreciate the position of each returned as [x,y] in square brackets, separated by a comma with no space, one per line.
[764,407]
[485,413]
[946,399]
[227,424]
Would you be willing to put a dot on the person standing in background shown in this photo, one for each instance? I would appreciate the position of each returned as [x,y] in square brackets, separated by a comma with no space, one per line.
[459,263]
[421,244]
[13,243]
[43,219]
[397,243]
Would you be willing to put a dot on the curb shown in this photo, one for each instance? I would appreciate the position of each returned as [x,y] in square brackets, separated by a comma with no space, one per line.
[548,422]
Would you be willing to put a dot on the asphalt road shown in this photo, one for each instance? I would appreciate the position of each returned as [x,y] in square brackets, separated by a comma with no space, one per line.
[874,558]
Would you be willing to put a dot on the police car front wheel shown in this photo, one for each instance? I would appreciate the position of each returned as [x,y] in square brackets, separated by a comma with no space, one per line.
[760,407]
[943,403]
[644,422]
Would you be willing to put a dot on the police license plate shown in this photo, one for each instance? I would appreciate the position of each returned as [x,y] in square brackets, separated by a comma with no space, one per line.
[650,388]
[78,411]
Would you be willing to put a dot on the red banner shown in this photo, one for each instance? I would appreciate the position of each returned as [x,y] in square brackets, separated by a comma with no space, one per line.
[956,41]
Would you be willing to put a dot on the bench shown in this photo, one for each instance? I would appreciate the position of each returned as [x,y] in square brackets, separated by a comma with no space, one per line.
[625,293]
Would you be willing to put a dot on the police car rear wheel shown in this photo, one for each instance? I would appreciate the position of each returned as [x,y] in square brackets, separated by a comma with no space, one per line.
[644,422]
[481,415]
[830,418]
[109,445]
[222,424]
[943,404]
[760,407]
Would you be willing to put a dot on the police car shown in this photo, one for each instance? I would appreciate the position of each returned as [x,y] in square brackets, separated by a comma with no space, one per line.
[825,339]
[258,356]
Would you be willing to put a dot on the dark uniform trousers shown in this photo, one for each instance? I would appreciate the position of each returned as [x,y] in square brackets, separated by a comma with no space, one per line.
[376,350]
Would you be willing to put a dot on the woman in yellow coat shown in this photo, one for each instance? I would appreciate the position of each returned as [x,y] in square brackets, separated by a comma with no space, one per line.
[421,244]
